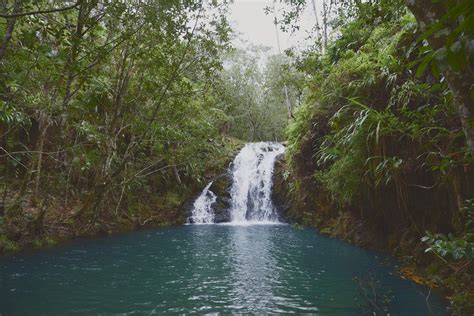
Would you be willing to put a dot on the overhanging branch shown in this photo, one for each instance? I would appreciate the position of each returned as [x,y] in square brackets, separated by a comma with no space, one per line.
[20,14]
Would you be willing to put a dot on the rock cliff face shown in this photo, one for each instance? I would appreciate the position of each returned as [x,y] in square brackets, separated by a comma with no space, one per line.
[221,187]
[296,197]
[300,201]
[281,196]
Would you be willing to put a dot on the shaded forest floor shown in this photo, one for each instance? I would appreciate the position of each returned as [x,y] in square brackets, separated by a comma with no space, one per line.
[50,218]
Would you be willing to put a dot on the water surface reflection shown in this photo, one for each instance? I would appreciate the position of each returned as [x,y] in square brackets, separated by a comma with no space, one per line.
[202,269]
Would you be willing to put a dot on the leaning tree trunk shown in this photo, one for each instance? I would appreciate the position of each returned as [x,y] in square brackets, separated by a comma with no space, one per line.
[460,82]
[461,85]
[43,121]
[9,30]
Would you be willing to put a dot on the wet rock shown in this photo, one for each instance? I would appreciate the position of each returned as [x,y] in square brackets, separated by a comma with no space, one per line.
[221,188]
[281,197]
[188,208]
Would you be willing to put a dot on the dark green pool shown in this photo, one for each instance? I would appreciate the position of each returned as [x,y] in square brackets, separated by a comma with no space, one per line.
[218,269]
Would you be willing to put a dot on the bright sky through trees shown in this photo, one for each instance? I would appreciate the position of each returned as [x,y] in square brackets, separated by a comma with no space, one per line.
[252,25]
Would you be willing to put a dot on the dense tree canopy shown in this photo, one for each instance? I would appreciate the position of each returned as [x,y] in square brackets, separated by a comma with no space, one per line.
[252,94]
[387,122]
[115,113]
[112,108]
[100,97]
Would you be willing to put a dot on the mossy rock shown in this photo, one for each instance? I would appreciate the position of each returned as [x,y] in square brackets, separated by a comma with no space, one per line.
[281,192]
[7,245]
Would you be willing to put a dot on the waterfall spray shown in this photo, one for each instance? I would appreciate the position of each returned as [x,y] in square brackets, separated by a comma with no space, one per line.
[252,181]
[202,209]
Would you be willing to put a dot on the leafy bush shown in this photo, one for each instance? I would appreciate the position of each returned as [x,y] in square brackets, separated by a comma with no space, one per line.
[451,247]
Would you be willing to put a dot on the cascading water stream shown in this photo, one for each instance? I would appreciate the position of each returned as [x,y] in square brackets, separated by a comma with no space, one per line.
[202,209]
[252,183]
[252,172]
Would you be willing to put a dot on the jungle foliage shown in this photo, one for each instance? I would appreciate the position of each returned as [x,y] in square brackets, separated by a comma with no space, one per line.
[114,114]
[252,93]
[384,132]
[107,112]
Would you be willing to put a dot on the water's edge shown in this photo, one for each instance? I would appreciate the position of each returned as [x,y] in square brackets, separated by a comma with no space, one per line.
[362,236]
[277,247]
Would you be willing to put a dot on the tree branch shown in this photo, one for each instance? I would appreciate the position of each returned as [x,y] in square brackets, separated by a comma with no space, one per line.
[19,14]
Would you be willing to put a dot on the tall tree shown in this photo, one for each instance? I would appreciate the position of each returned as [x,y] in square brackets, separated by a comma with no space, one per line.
[448,26]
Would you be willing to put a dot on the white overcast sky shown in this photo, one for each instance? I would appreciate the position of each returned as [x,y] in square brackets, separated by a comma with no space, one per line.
[248,19]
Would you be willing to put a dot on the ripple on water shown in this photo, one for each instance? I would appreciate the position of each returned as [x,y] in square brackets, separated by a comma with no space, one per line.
[206,269]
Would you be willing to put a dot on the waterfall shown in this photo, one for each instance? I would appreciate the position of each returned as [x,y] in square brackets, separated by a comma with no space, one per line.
[202,208]
[252,173]
[252,183]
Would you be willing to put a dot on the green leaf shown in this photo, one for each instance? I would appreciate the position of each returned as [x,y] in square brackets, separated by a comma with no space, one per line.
[435,70]
[422,67]
[456,60]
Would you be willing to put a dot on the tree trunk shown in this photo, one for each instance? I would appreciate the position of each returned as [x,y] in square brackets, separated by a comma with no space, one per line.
[460,82]
[4,144]
[43,126]
[318,30]
[175,168]
[72,55]
[288,103]
[9,30]
[325,26]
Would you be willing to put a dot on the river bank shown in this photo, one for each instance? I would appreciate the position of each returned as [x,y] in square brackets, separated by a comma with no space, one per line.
[52,218]
[59,225]
[299,200]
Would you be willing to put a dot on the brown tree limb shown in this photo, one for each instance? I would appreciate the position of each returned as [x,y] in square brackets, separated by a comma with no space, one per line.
[20,14]
[9,30]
